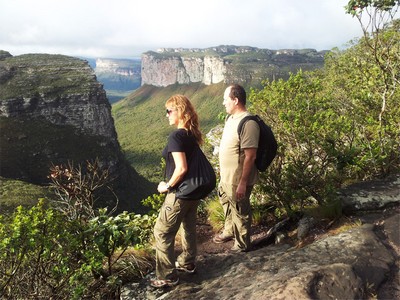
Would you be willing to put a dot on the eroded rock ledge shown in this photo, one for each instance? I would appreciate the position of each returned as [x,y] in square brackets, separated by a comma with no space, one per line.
[355,264]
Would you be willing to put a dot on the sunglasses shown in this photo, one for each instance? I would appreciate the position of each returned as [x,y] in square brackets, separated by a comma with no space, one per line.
[169,111]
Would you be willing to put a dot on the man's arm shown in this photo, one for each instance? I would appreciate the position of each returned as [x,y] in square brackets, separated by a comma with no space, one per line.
[250,155]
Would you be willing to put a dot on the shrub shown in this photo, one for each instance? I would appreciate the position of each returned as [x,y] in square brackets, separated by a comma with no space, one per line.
[333,126]
[74,250]
[41,254]
[216,215]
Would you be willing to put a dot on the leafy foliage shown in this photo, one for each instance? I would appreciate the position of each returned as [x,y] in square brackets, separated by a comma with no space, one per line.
[75,251]
[33,248]
[355,7]
[333,126]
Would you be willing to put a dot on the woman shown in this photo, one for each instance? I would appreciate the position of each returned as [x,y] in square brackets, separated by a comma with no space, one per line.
[174,212]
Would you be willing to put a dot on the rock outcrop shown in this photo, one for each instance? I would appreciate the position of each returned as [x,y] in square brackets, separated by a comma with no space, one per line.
[53,111]
[62,90]
[224,63]
[361,262]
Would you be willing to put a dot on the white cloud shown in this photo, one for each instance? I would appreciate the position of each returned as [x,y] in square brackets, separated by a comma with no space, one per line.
[126,28]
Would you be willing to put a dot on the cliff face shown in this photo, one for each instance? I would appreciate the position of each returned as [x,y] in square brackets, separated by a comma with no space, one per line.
[224,63]
[54,111]
[164,71]
[62,90]
[123,67]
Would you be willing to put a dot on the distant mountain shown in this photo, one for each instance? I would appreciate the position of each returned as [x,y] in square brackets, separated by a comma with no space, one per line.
[228,64]
[120,77]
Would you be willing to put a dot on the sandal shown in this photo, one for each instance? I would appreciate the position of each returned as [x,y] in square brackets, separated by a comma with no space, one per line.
[160,283]
[220,238]
[189,268]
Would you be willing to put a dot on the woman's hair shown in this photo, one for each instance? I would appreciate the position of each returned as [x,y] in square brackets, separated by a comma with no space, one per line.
[187,114]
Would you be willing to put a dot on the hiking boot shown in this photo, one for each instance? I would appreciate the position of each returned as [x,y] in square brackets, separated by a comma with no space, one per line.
[221,238]
[189,268]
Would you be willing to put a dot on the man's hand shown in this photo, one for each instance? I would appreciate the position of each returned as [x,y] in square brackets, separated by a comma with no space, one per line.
[240,192]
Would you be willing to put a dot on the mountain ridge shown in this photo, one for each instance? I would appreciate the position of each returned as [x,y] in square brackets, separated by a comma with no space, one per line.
[228,64]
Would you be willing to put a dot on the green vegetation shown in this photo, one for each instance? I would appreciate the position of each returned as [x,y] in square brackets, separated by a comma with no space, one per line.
[29,147]
[335,125]
[14,192]
[49,81]
[68,248]
[215,212]
[43,252]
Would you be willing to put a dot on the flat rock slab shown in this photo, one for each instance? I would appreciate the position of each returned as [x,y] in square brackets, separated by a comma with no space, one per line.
[344,266]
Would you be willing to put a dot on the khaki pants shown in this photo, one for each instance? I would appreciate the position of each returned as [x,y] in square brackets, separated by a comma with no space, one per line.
[173,213]
[237,215]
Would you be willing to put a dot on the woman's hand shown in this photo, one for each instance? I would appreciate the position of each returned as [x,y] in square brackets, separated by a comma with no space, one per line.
[162,187]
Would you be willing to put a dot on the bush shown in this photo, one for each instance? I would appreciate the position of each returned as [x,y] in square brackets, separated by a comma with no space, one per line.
[41,254]
[333,126]
[73,250]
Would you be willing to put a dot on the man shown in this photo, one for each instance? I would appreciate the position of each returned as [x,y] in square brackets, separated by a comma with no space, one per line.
[238,170]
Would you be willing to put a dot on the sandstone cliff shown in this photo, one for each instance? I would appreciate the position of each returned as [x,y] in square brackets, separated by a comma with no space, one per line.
[224,63]
[52,111]
[60,89]
[123,67]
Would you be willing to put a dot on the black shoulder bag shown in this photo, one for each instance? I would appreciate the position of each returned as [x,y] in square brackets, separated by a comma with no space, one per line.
[200,178]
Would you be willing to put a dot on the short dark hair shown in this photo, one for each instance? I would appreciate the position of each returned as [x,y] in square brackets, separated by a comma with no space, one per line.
[237,91]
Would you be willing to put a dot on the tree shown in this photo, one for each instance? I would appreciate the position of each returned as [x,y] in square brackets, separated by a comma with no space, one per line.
[380,30]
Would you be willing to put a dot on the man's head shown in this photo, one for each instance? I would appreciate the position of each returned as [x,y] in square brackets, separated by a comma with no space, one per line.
[237,91]
[234,99]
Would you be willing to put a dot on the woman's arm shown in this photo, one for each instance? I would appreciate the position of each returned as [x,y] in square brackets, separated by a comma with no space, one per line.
[179,172]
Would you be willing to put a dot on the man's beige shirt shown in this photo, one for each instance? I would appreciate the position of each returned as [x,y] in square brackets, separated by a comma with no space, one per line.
[230,166]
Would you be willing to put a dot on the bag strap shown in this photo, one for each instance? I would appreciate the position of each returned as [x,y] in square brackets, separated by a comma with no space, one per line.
[241,127]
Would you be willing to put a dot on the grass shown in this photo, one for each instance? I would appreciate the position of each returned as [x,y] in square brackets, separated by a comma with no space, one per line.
[15,192]
[216,215]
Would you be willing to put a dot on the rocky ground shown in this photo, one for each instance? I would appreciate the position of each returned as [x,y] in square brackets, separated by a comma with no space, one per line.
[356,257]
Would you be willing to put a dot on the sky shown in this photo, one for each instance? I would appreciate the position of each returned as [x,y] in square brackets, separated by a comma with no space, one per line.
[127,28]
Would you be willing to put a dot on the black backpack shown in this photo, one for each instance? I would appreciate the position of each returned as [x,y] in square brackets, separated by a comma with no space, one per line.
[267,145]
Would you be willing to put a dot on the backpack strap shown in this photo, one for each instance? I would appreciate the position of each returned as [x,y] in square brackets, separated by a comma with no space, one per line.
[242,122]
[241,126]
